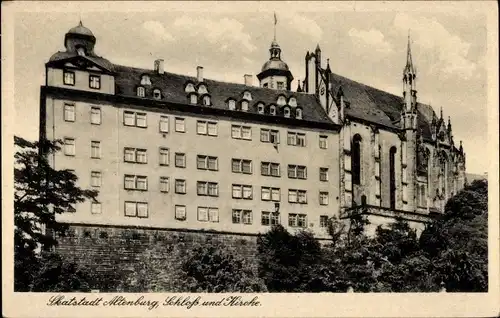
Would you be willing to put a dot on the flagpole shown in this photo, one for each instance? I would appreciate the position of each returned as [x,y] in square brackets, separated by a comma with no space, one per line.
[275,21]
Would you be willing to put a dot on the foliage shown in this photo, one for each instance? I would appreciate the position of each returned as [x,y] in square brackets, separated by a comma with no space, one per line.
[41,192]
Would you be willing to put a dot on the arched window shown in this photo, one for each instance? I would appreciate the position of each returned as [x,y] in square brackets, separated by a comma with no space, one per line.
[272,110]
[292,102]
[298,113]
[156,94]
[206,100]
[260,108]
[244,105]
[189,88]
[193,99]
[231,104]
[356,159]
[141,92]
[145,80]
[286,112]
[392,175]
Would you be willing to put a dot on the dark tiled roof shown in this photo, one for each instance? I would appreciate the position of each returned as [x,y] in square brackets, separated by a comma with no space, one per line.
[173,90]
[376,106]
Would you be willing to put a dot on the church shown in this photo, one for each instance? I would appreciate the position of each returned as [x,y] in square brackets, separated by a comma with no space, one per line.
[178,153]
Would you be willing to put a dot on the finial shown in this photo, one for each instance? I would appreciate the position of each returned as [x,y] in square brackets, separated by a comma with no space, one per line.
[317,48]
[328,65]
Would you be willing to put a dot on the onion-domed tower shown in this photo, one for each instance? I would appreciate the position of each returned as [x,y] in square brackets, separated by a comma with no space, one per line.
[80,40]
[275,73]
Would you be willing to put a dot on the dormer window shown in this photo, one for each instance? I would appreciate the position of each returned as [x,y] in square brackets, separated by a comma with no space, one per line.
[244,105]
[231,104]
[281,101]
[202,89]
[286,112]
[292,102]
[141,92]
[193,99]
[206,100]
[298,113]
[189,88]
[260,108]
[156,94]
[247,95]
[272,110]
[145,80]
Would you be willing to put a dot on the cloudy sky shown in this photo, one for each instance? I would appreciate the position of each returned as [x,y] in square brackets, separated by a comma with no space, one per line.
[365,43]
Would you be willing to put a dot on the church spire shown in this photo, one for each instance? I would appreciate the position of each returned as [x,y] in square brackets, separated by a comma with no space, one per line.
[409,69]
[409,80]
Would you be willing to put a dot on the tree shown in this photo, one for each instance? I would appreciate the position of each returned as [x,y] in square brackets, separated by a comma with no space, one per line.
[41,192]
[289,263]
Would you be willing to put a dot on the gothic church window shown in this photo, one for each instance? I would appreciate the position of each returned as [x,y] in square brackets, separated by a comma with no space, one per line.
[392,175]
[356,159]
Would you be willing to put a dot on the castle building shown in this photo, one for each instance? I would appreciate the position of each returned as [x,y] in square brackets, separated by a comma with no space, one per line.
[169,151]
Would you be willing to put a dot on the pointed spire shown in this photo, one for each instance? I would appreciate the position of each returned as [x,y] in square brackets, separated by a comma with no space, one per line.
[328,70]
[461,149]
[409,61]
[299,89]
[317,48]
[449,123]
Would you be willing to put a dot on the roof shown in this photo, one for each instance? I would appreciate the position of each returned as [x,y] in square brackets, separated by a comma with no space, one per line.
[80,29]
[173,90]
[379,107]
[102,62]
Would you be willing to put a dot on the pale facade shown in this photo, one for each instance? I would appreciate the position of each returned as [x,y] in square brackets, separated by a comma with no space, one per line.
[169,151]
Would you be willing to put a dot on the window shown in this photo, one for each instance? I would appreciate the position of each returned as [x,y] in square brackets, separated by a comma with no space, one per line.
[156,94]
[189,88]
[323,198]
[247,95]
[323,142]
[207,163]
[95,81]
[164,185]
[242,191]
[356,159]
[270,169]
[205,188]
[392,177]
[180,125]
[265,85]
[95,208]
[272,110]
[164,157]
[231,104]
[95,116]
[260,108]
[180,160]
[193,99]
[237,216]
[132,182]
[136,209]
[297,196]
[69,78]
[206,128]
[206,100]
[270,218]
[208,214]
[95,149]
[145,80]
[241,166]
[297,220]
[241,132]
[95,178]
[180,186]
[298,113]
[296,139]
[141,92]
[163,124]
[292,101]
[297,172]
[202,89]
[270,194]
[135,155]
[69,146]
[323,174]
[134,119]
[267,135]
[180,212]
[69,112]
[244,106]
[280,85]
[80,51]
[323,221]
[286,112]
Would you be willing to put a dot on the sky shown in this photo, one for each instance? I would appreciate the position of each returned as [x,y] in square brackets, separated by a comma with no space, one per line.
[365,43]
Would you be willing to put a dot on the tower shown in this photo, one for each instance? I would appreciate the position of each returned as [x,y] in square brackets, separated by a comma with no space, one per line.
[80,40]
[275,73]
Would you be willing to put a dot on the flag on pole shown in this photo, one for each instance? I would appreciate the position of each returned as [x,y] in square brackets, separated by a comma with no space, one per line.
[275,19]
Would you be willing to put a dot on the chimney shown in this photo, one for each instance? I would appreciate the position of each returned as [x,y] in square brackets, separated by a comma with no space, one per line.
[159,66]
[199,73]
[248,79]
